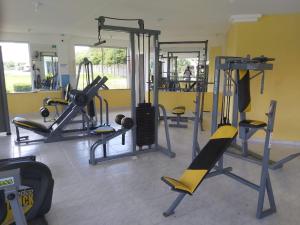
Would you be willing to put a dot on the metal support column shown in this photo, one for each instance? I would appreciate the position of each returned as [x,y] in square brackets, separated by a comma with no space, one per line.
[155,88]
[133,89]
[214,119]
[4,114]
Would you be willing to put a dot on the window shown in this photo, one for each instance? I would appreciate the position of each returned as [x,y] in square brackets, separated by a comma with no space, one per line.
[109,62]
[17,67]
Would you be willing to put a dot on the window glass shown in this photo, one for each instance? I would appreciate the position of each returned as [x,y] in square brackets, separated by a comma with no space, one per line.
[17,69]
[109,62]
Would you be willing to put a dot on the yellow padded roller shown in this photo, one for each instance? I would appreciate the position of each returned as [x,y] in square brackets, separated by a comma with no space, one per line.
[58,101]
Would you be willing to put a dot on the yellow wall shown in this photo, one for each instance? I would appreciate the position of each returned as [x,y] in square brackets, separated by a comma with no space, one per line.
[213,52]
[24,103]
[117,98]
[275,36]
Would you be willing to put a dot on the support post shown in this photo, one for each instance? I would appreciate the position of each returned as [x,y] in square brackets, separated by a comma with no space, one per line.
[133,90]
[174,205]
[155,88]
[214,120]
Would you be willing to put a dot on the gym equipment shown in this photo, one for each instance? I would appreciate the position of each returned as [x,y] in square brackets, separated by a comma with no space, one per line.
[26,188]
[119,118]
[106,134]
[85,74]
[127,123]
[173,50]
[4,114]
[178,111]
[211,154]
[144,114]
[57,131]
[223,136]
[55,102]
[236,85]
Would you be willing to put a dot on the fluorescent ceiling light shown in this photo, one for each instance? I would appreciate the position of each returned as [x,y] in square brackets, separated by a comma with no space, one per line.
[245,18]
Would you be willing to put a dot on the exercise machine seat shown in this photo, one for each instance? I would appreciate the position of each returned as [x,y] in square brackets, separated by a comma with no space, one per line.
[179,110]
[204,162]
[103,130]
[57,101]
[252,124]
[30,125]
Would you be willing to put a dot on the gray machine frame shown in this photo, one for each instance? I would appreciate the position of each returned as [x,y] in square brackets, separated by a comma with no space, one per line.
[4,114]
[11,184]
[58,131]
[137,75]
[225,64]
[105,138]
[264,187]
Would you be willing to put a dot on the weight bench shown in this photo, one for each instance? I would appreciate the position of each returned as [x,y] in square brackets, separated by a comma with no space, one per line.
[107,133]
[178,111]
[193,176]
[30,125]
[206,160]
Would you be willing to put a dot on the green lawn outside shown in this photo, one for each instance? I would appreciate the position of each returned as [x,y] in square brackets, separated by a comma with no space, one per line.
[19,77]
[16,77]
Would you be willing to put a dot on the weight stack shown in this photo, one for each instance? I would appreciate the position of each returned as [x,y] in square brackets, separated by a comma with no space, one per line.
[145,124]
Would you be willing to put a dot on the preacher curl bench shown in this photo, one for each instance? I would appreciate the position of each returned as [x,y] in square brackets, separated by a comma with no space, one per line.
[211,157]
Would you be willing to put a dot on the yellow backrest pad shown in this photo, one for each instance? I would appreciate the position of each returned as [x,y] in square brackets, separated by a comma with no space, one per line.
[191,178]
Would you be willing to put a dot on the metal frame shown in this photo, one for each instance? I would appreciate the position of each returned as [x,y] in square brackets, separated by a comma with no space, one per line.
[226,63]
[178,119]
[11,184]
[4,114]
[58,131]
[138,92]
[103,141]
[264,187]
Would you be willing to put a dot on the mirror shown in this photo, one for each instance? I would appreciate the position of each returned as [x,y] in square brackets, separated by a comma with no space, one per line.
[44,67]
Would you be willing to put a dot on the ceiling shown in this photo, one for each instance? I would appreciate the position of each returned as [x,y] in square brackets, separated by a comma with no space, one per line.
[177,19]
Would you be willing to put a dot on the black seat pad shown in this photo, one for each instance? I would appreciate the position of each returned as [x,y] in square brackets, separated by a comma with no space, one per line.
[252,123]
[30,125]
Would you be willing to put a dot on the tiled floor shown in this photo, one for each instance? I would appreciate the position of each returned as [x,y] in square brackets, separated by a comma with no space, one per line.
[129,191]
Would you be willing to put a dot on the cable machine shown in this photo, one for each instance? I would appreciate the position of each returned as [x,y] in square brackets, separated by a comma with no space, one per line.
[144,109]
